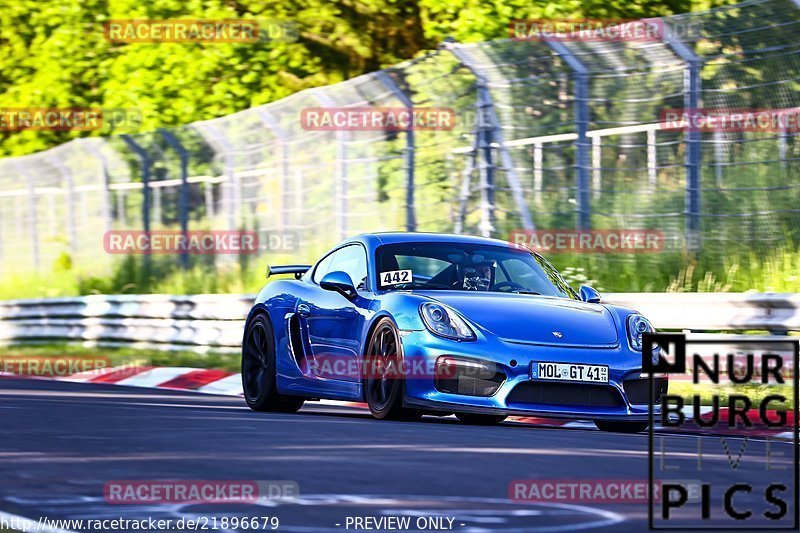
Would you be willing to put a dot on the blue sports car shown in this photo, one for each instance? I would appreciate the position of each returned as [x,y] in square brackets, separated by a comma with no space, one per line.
[417,323]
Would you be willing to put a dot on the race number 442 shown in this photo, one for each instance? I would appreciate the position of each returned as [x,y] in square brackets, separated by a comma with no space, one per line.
[395,277]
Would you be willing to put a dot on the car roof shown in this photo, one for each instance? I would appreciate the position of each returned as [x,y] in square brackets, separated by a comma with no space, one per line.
[373,240]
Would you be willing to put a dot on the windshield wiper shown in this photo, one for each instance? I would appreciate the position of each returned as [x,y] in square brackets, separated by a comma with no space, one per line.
[528,292]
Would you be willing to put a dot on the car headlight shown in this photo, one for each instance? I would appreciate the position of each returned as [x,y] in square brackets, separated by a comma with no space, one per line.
[445,322]
[637,326]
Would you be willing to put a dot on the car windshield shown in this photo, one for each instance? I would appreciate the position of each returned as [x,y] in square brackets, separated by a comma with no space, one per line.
[467,267]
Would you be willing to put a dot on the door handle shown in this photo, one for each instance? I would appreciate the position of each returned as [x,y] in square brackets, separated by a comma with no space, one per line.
[303,309]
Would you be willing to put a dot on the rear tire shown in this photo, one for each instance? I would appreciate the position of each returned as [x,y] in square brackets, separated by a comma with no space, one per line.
[384,386]
[480,420]
[259,370]
[621,427]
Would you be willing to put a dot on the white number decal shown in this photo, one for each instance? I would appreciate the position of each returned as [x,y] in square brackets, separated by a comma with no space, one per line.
[395,277]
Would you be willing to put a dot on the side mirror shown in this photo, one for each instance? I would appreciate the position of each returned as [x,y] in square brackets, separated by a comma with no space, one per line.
[589,295]
[340,282]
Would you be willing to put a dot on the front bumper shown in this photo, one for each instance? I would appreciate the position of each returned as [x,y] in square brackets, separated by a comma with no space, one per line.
[625,397]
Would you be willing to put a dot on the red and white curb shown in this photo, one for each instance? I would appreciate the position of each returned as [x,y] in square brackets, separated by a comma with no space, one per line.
[222,382]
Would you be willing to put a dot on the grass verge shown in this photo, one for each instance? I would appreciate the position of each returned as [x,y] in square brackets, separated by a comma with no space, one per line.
[756,394]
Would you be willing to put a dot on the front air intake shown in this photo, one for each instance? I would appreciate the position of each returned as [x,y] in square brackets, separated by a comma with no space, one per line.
[467,377]
[564,394]
[638,393]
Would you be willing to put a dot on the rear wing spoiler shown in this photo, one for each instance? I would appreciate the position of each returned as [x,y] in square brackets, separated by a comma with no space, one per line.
[297,270]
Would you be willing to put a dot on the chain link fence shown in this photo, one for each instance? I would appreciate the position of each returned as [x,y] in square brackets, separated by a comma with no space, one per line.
[548,134]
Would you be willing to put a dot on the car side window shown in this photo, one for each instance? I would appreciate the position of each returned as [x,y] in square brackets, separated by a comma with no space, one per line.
[352,260]
[323,267]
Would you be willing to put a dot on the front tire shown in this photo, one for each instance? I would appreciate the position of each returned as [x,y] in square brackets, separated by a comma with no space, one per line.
[480,420]
[384,387]
[621,427]
[259,370]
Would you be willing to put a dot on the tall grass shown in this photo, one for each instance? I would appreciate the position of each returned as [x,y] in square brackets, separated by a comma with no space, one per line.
[131,277]
[778,271]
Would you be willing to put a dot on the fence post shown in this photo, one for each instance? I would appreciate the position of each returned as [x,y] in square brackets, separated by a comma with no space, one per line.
[582,145]
[233,184]
[105,191]
[156,212]
[692,88]
[466,184]
[538,160]
[69,186]
[720,151]
[122,212]
[652,161]
[340,184]
[183,202]
[145,166]
[275,127]
[410,156]
[297,204]
[597,164]
[487,166]
[32,216]
[491,137]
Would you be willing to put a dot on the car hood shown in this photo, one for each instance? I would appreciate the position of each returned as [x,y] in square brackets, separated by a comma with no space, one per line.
[535,319]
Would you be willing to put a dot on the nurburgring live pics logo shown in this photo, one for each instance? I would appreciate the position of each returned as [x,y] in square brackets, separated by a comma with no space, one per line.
[759,405]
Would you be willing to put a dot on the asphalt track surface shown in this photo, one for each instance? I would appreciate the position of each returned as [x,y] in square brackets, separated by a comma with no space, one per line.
[63,441]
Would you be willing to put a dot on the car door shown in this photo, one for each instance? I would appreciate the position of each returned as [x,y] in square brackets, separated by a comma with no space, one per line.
[333,322]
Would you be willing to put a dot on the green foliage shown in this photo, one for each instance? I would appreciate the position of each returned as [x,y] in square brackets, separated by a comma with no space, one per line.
[53,53]
[662,272]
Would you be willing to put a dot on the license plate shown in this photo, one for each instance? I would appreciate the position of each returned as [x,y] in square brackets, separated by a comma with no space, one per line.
[570,372]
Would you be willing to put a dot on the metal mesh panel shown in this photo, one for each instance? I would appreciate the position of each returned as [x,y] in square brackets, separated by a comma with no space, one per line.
[751,60]
[546,135]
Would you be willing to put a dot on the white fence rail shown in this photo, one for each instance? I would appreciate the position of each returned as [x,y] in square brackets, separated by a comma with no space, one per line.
[215,322]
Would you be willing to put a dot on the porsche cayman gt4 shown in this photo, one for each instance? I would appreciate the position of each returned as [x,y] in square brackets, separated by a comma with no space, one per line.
[416,323]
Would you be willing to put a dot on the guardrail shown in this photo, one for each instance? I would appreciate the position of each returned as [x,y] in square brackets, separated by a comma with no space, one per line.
[215,322]
[198,323]
[776,313]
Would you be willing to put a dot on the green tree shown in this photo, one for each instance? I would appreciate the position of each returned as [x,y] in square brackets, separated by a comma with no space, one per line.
[53,53]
